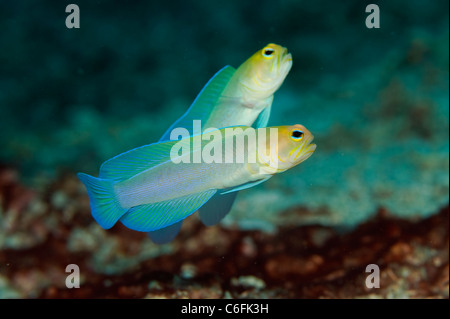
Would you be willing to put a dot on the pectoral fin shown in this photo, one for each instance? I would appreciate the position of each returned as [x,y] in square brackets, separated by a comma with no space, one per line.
[220,204]
[263,118]
[246,185]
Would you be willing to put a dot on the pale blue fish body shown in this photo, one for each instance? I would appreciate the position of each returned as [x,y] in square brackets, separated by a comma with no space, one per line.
[168,181]
[145,182]
[150,190]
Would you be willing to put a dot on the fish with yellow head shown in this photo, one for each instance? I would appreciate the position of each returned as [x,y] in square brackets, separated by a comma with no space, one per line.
[288,146]
[153,189]
[239,97]
[258,78]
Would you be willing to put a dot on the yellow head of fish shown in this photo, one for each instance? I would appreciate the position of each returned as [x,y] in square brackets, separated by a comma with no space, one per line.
[285,147]
[264,72]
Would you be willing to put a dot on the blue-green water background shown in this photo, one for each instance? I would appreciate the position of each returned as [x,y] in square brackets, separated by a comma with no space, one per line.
[376,99]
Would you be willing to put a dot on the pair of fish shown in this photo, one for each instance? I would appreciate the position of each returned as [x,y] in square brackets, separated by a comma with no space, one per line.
[148,190]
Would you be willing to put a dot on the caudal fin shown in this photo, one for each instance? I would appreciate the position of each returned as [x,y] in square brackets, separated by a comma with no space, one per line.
[105,207]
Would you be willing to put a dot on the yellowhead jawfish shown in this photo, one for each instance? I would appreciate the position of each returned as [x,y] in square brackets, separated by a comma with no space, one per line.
[239,97]
[154,188]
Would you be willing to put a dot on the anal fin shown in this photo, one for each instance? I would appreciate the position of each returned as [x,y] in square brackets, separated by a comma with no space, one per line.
[155,216]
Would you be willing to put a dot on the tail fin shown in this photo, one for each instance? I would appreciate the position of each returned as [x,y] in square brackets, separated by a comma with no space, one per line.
[105,207]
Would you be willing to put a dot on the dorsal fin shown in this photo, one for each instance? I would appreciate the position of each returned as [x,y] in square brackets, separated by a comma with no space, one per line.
[205,101]
[137,160]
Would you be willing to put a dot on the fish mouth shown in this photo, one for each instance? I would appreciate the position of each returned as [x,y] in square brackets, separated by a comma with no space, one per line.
[311,147]
[304,152]
[287,57]
[286,61]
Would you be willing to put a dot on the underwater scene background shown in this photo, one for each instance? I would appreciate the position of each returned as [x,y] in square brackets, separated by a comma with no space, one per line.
[376,191]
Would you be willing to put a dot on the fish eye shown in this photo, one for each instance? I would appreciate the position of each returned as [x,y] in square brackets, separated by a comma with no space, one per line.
[297,135]
[268,52]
